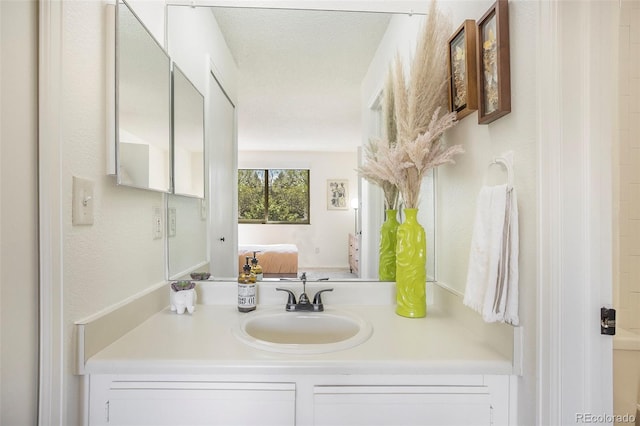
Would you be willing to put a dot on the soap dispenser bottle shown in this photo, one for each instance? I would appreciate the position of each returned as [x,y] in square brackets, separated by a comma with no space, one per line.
[256,268]
[246,289]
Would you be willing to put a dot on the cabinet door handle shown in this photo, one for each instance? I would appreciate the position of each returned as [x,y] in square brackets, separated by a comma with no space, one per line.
[222,239]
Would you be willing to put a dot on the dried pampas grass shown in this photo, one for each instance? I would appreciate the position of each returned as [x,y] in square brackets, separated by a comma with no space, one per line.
[427,151]
[414,127]
[378,169]
[418,104]
[388,103]
[404,165]
[401,102]
[427,85]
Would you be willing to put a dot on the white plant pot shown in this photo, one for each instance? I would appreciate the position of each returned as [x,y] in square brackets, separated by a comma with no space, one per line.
[183,300]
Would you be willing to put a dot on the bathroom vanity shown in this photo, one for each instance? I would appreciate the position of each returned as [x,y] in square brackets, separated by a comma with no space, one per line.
[195,369]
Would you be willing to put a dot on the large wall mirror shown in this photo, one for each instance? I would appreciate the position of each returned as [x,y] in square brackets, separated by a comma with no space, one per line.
[143,105]
[301,104]
[188,137]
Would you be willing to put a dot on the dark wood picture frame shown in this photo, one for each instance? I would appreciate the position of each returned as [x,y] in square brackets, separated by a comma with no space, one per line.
[494,78]
[463,89]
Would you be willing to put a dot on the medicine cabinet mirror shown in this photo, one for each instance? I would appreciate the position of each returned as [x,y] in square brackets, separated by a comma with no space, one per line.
[143,105]
[188,137]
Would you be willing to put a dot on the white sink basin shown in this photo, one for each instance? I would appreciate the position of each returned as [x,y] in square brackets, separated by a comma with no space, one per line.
[303,332]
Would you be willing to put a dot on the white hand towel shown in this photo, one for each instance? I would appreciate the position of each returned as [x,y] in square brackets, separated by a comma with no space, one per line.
[492,276]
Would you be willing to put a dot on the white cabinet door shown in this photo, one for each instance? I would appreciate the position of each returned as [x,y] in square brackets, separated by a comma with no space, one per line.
[192,403]
[401,405]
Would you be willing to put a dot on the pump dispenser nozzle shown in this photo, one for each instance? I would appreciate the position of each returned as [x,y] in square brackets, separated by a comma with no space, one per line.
[255,268]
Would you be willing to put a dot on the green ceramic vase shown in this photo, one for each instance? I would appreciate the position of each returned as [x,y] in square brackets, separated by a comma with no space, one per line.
[388,240]
[411,269]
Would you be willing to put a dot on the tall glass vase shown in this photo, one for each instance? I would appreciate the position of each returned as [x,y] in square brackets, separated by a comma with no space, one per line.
[411,269]
[388,240]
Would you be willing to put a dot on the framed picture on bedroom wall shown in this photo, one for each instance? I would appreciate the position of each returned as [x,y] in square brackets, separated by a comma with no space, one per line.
[463,89]
[337,194]
[494,77]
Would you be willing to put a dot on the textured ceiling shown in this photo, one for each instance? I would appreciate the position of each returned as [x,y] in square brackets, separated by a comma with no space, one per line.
[299,75]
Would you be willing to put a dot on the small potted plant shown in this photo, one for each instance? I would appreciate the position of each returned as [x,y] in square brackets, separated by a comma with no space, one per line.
[183,296]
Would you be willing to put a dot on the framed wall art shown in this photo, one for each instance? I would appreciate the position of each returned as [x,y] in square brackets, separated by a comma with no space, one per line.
[494,79]
[337,194]
[463,89]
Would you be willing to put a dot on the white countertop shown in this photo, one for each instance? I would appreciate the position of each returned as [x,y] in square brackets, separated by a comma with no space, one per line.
[203,343]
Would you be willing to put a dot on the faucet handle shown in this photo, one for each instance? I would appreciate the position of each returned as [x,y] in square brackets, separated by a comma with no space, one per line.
[317,299]
[291,301]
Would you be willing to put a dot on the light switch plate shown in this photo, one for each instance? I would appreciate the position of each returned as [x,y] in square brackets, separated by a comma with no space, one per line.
[157,223]
[83,201]
[172,222]
[203,209]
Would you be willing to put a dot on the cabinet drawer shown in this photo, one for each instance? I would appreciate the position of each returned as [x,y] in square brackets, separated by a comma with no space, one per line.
[401,405]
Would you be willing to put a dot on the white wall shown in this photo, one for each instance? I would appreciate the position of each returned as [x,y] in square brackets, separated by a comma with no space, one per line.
[328,233]
[195,42]
[117,256]
[18,213]
[151,12]
[459,184]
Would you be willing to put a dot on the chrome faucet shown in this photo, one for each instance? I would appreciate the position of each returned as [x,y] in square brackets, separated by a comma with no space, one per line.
[303,304]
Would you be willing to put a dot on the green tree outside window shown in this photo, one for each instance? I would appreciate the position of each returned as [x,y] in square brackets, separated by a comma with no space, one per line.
[273,196]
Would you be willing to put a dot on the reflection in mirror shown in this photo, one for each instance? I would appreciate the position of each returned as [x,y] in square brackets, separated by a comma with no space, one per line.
[305,84]
[188,137]
[143,74]
[186,236]
[301,97]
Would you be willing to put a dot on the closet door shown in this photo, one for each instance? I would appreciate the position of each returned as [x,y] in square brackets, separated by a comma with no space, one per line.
[223,182]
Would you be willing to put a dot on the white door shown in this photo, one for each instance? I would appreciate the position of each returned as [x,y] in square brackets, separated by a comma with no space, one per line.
[223,193]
